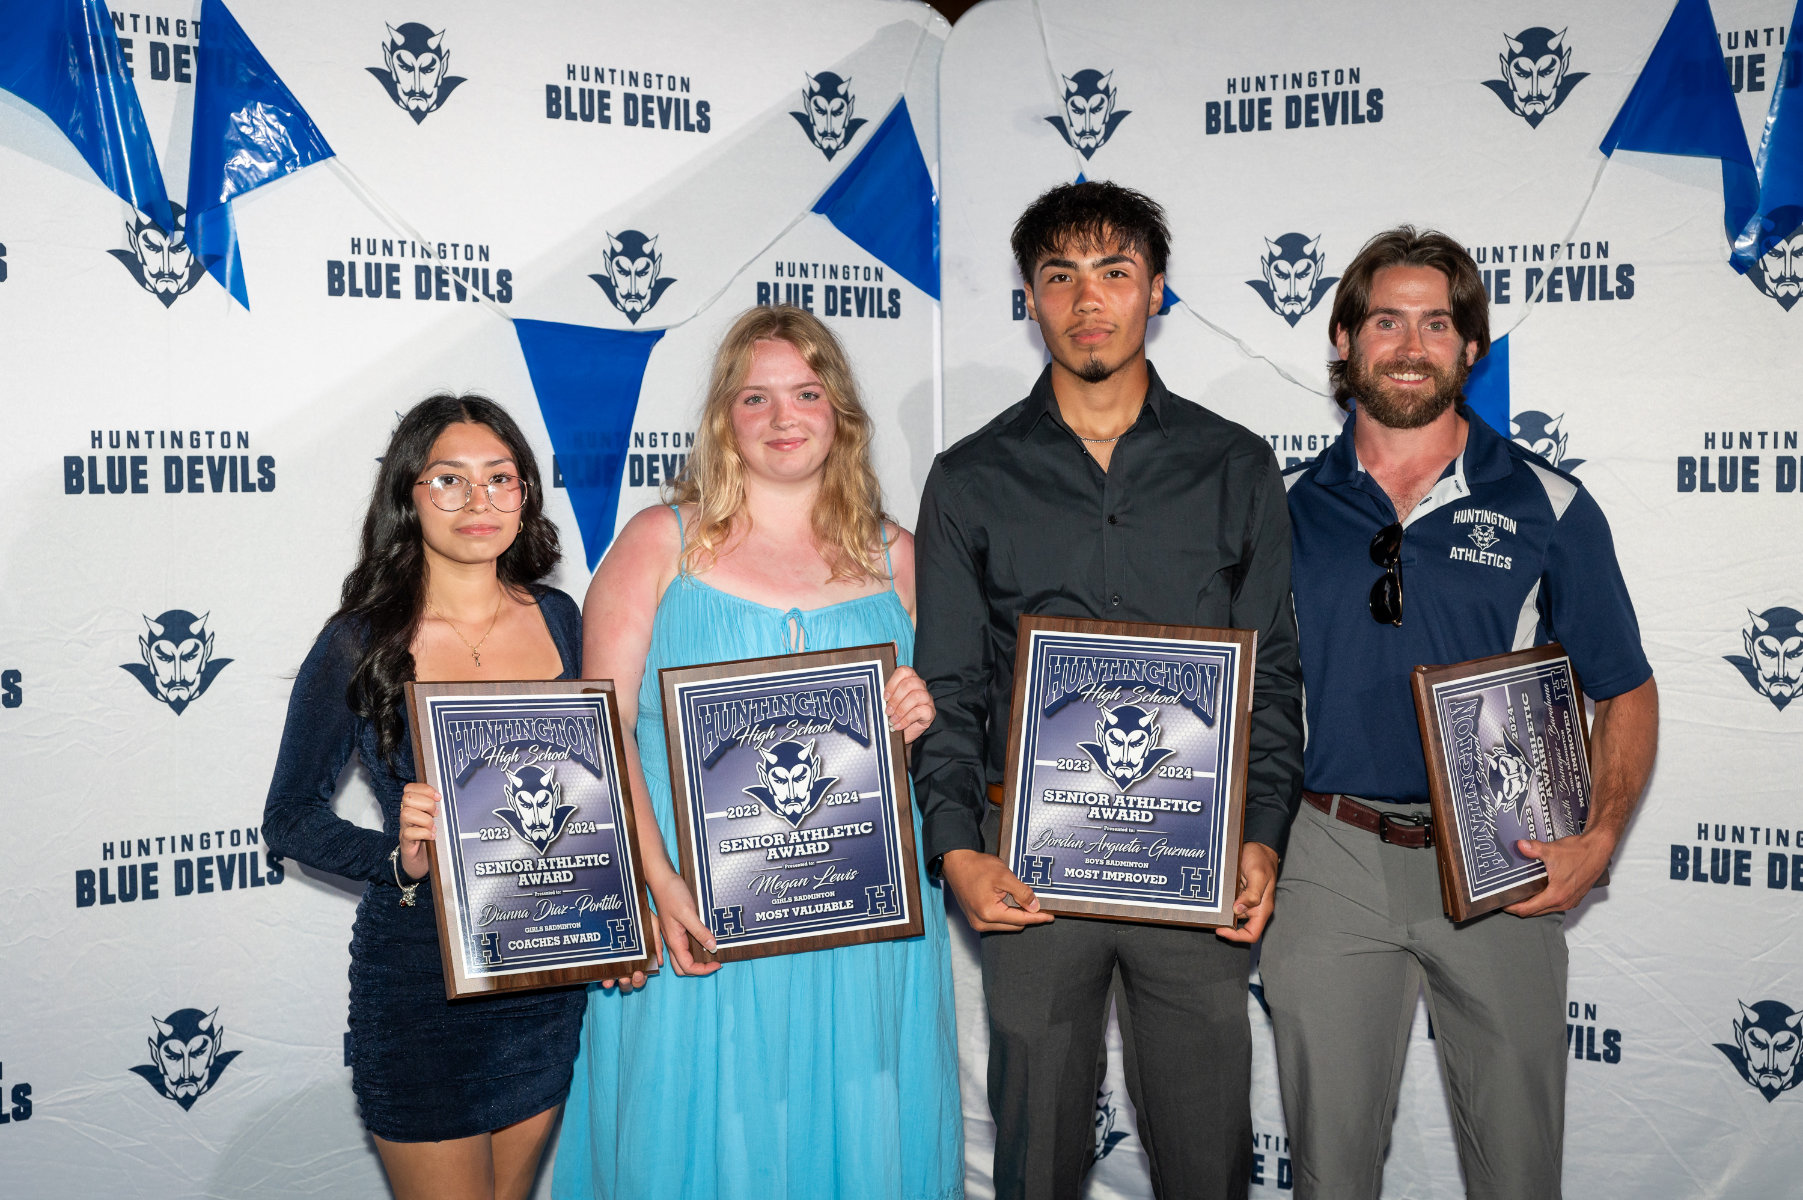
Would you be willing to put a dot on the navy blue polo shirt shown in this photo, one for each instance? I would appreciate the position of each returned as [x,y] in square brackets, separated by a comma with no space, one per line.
[1503,554]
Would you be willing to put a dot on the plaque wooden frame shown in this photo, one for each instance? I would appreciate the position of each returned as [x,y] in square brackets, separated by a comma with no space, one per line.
[1455,872]
[1233,794]
[671,679]
[459,984]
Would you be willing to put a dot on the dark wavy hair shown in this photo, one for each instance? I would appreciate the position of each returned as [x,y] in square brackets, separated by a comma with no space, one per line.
[385,593]
[1406,246]
[1096,215]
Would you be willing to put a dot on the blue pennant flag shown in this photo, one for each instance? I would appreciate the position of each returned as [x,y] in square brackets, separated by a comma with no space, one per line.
[62,58]
[248,131]
[1683,103]
[884,202]
[1779,213]
[1487,390]
[587,382]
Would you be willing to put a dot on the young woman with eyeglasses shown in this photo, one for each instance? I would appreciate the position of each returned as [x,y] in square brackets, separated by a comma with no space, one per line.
[458,1097]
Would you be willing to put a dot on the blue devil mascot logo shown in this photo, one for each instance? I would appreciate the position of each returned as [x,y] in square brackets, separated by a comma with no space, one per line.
[1765,1047]
[1536,74]
[826,106]
[635,273]
[1773,663]
[1508,778]
[535,810]
[1778,271]
[1090,113]
[177,649]
[1293,282]
[160,259]
[185,1059]
[1126,745]
[1544,435]
[414,76]
[793,784]
[1107,1136]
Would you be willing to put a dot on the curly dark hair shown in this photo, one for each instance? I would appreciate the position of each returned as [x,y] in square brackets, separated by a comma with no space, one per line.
[385,593]
[1095,213]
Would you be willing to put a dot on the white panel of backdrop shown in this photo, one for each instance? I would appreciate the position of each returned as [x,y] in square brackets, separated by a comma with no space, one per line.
[181,459]
[1279,137]
[189,459]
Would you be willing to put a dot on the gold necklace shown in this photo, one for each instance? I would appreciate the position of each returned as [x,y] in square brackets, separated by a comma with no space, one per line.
[477,646]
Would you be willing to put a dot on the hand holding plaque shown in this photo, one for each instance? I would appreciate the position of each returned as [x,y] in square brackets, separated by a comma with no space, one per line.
[534,861]
[1127,761]
[1508,758]
[793,816]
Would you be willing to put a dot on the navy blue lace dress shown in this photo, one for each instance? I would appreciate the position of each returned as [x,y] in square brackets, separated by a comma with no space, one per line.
[424,1069]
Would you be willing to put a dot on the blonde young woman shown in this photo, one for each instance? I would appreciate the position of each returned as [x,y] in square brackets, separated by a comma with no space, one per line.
[831,1073]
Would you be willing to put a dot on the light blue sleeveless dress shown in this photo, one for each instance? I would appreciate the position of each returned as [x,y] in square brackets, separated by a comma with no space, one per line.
[827,1074]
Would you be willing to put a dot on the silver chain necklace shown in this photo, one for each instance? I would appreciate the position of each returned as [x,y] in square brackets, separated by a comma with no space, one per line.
[1117,437]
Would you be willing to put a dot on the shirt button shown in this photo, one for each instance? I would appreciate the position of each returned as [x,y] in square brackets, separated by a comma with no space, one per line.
[1113,520]
[1115,599]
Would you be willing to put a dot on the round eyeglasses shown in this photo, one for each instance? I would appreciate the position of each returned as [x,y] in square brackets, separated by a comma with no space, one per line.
[1385,600]
[452,492]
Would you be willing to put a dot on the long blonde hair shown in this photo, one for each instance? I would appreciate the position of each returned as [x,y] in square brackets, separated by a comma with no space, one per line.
[848,510]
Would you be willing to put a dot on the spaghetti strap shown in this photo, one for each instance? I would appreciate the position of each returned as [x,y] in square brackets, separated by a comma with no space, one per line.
[681,538]
[887,562]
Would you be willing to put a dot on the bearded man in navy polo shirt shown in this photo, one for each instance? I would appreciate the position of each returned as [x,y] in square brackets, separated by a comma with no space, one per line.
[1383,524]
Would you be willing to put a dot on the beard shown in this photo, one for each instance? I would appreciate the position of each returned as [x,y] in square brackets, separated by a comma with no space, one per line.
[1393,409]
[1094,370]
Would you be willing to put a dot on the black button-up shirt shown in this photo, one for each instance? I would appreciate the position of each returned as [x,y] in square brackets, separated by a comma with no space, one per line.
[1188,526]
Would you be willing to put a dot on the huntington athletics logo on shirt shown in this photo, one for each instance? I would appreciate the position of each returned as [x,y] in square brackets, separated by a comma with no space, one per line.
[1486,530]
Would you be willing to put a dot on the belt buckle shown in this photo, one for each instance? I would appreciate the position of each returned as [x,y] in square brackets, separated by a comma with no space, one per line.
[1386,821]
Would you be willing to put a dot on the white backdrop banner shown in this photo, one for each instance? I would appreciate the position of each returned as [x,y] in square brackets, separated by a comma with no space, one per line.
[563,205]
[1279,137]
[619,179]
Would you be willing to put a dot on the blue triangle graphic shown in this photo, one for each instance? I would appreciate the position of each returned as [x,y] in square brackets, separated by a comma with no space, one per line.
[883,200]
[588,382]
[1487,390]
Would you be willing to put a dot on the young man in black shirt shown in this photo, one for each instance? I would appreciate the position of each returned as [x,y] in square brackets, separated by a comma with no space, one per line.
[1102,495]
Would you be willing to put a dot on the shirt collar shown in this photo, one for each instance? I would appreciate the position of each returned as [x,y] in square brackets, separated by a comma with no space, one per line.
[1042,403]
[1485,458]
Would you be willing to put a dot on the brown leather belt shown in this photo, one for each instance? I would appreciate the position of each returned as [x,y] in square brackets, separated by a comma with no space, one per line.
[1411,832]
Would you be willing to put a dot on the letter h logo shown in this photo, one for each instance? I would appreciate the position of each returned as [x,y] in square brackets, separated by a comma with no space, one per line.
[488,948]
[1039,869]
[882,899]
[730,922]
[618,936]
[1196,880]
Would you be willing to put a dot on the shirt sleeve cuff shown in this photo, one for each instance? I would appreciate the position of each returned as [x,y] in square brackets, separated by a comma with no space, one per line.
[1268,827]
[952,827]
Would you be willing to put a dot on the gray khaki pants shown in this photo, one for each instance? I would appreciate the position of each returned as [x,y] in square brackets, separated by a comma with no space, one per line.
[1358,929]
[1189,1054]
